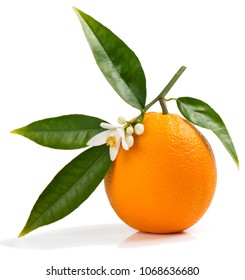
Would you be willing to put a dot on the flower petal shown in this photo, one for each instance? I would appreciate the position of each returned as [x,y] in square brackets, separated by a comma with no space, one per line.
[121,132]
[114,151]
[99,139]
[125,144]
[107,126]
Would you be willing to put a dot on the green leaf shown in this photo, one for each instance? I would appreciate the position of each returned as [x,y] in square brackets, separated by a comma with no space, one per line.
[201,114]
[116,60]
[69,188]
[64,132]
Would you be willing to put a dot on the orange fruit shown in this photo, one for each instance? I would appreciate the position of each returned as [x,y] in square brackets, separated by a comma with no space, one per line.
[166,181]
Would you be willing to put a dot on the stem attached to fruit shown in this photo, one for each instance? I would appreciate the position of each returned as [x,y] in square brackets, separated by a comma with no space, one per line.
[164,106]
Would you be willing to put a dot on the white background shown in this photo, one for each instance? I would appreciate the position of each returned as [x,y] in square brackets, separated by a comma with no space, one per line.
[46,70]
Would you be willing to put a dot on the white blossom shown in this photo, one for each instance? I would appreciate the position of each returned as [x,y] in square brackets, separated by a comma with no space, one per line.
[113,137]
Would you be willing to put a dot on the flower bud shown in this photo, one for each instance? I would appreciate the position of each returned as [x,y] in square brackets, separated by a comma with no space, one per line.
[129,140]
[139,128]
[130,130]
[121,120]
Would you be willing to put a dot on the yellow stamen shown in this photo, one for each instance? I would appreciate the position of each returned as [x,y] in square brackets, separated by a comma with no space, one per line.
[111,141]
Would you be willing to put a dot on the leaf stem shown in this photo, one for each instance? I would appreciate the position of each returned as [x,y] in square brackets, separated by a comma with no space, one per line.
[170,99]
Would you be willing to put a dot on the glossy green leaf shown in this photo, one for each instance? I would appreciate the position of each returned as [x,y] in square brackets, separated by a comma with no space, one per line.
[116,60]
[69,188]
[64,132]
[201,114]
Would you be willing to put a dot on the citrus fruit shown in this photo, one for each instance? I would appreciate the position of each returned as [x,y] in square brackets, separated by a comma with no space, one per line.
[166,181]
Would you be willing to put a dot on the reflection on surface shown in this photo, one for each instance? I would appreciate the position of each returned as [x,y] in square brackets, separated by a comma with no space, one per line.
[140,239]
[93,235]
